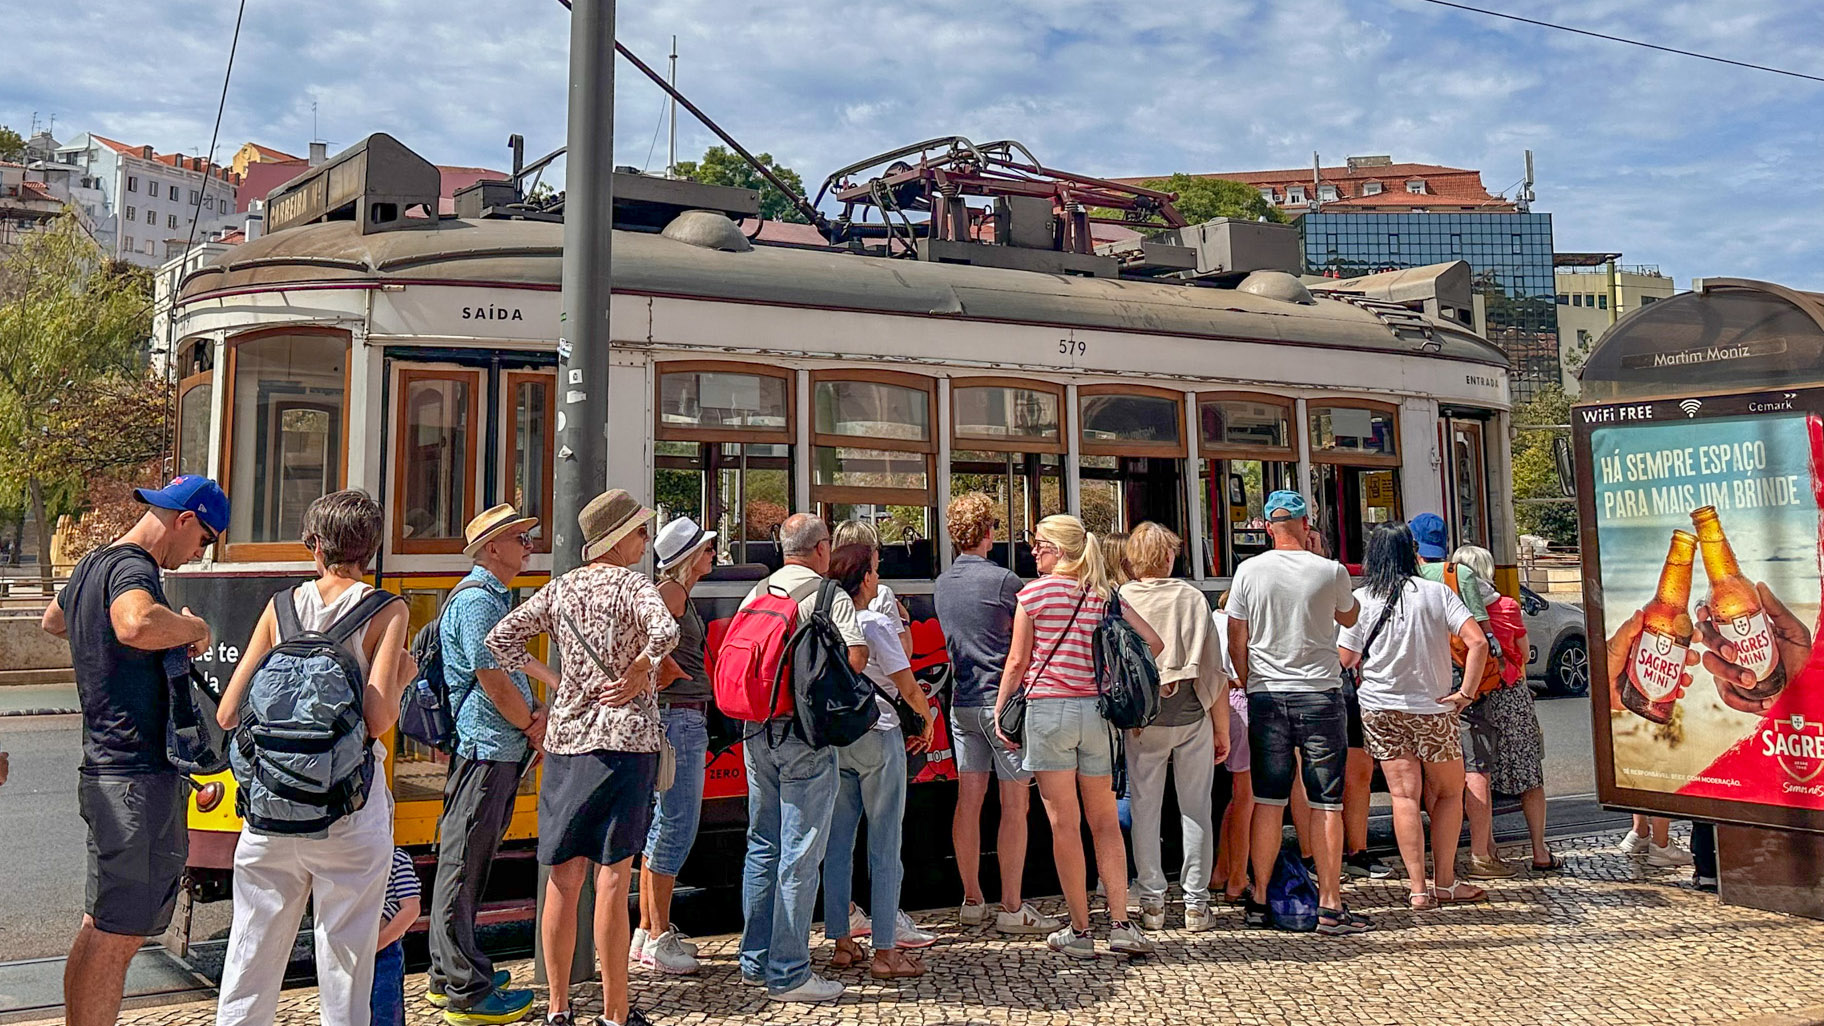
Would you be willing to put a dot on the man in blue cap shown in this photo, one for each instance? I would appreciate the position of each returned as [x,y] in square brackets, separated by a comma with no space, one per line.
[121,629]
[1284,610]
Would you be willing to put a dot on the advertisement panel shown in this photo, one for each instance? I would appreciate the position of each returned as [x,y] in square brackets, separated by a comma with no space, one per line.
[1701,534]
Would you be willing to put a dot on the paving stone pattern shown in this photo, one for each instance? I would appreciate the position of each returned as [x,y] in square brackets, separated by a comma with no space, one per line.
[1608,941]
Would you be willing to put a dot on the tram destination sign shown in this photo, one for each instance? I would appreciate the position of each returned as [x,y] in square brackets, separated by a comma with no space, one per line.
[1702,533]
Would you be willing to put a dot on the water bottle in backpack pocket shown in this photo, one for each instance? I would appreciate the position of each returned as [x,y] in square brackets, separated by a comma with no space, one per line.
[301,754]
[1292,894]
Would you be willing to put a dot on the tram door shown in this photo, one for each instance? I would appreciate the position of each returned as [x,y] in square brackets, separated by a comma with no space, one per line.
[1465,471]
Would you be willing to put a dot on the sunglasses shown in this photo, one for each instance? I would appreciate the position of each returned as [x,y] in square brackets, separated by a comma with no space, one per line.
[210,535]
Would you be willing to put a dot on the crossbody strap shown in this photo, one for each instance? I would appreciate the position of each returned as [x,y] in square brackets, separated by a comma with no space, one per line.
[1036,674]
[588,649]
[1386,614]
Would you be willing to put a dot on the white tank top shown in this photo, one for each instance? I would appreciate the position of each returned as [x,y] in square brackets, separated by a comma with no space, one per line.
[314,615]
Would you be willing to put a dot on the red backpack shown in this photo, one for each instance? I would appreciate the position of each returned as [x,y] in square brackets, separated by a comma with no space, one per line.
[752,664]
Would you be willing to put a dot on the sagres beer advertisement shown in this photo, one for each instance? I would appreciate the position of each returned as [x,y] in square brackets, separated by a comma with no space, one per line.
[1707,526]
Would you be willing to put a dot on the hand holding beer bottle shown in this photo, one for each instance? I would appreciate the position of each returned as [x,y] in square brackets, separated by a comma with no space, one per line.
[1621,650]
[1740,685]
[1651,655]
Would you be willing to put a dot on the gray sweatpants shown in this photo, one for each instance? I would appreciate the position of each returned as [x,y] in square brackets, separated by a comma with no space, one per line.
[1190,751]
[477,807]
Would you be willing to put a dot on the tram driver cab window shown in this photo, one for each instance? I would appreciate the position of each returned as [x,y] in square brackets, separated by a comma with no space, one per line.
[1249,451]
[195,398]
[286,437]
[724,456]
[1008,442]
[1356,463]
[1132,459]
[875,447]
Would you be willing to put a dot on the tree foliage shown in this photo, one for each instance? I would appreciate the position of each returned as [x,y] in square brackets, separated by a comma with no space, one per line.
[722,166]
[1201,199]
[12,146]
[1536,471]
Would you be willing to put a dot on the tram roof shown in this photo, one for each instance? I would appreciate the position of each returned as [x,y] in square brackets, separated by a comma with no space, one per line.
[530,253]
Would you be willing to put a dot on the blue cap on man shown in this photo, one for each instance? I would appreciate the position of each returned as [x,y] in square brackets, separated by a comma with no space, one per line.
[1284,505]
[1432,535]
[190,493]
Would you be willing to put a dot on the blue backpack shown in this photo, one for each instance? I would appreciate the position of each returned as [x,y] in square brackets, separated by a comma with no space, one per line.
[425,713]
[1292,894]
[301,754]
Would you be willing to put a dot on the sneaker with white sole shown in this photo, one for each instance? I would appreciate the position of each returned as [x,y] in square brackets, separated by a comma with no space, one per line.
[1634,844]
[1668,856]
[637,943]
[907,936]
[815,990]
[1028,921]
[1072,943]
[666,953]
[972,913]
[1197,919]
[859,923]
[1152,916]
[1126,939]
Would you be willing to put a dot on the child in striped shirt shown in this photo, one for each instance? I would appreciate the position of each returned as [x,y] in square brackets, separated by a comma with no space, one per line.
[397,915]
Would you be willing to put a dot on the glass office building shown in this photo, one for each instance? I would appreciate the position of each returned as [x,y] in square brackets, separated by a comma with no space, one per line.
[1510,255]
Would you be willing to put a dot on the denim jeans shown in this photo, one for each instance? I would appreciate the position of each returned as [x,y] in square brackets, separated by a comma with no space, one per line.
[1315,724]
[872,780]
[676,813]
[791,794]
[389,985]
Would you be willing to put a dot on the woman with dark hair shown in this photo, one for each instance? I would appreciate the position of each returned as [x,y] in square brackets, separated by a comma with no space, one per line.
[1400,650]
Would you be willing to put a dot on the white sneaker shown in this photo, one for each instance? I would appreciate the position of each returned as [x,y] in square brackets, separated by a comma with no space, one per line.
[859,923]
[1197,919]
[1634,844]
[1671,856]
[684,941]
[907,936]
[1152,916]
[815,990]
[637,944]
[1026,922]
[971,913]
[1127,939]
[666,953]
[1072,943]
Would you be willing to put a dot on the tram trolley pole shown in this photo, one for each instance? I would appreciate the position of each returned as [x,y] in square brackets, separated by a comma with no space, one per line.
[581,469]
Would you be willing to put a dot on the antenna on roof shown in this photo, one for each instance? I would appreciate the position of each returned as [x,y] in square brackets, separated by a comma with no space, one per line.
[1524,200]
[671,148]
[313,122]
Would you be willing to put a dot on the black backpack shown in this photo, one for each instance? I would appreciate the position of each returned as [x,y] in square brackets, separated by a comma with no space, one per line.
[1127,679]
[425,714]
[835,704]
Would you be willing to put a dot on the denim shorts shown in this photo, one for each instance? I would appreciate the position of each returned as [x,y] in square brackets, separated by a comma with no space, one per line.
[677,812]
[979,748]
[1313,724]
[1068,734]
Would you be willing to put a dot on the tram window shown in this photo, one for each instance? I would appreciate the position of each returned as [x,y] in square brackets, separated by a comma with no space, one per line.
[1355,447]
[195,406]
[532,411]
[873,410]
[723,399]
[1249,450]
[742,492]
[1118,492]
[1353,429]
[887,477]
[1007,414]
[435,450]
[1128,423]
[286,436]
[906,548]
[1026,488]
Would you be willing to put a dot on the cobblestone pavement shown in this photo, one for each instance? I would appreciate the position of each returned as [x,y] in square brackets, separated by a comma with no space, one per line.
[1608,941]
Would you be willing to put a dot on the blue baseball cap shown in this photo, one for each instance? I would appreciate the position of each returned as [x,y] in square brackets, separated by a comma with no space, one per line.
[1429,530]
[190,493]
[1292,503]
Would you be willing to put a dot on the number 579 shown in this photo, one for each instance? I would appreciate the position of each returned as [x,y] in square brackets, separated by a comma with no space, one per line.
[1072,347]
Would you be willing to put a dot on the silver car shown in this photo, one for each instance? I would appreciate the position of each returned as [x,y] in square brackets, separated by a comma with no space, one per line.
[1558,660]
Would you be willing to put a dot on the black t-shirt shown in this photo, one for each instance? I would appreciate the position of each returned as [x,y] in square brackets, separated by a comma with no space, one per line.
[125,698]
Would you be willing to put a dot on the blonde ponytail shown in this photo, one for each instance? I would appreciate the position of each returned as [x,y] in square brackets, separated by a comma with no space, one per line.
[1078,555]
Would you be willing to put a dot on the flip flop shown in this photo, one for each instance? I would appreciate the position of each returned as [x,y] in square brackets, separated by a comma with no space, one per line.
[914,968]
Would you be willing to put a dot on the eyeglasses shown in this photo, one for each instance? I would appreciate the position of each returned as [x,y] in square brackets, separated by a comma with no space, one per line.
[209,537]
[1043,546]
[525,539]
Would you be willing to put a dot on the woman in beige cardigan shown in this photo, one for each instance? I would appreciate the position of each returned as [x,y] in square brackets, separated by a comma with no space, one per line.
[1190,734]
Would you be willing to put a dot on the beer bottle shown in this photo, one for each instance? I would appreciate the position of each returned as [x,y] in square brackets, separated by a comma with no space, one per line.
[1735,608]
[1657,662]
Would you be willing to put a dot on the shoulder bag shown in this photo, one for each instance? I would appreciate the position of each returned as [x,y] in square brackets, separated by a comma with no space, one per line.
[1012,719]
[1352,677]
[1459,652]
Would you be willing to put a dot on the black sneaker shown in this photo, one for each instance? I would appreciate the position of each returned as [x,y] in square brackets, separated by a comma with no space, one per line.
[1256,915]
[1360,863]
[634,1018]
[1704,883]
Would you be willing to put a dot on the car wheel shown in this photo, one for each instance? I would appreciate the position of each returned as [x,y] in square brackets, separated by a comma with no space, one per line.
[1568,672]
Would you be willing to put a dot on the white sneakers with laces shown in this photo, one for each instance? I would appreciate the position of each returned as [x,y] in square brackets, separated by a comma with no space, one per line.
[815,990]
[1634,844]
[1197,919]
[1152,916]
[1028,921]
[1126,939]
[1070,942]
[1668,856]
[972,913]
[668,954]
[907,936]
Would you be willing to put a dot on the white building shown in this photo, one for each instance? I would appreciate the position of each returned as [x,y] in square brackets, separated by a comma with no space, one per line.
[144,199]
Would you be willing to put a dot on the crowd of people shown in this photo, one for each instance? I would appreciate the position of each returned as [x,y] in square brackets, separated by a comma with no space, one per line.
[1297,686]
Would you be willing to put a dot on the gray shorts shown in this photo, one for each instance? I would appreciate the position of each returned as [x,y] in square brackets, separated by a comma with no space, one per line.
[138,841]
[979,748]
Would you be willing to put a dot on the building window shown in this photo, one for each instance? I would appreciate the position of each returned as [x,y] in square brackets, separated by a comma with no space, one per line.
[132,215]
[873,461]
[1577,300]
[1393,242]
[724,453]
[1456,243]
[129,245]
[173,193]
[151,216]
[1416,187]
[1602,302]
[1517,247]
[1008,442]
[286,439]
[1371,188]
[1564,300]
[132,184]
[1644,300]
[146,246]
[1326,193]
[170,220]
[208,202]
[1266,193]
[1296,194]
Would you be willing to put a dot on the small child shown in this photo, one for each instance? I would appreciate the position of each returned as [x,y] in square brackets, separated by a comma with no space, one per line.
[396,917]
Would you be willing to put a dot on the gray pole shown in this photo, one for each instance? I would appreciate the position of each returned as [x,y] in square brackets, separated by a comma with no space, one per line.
[582,361]
[671,147]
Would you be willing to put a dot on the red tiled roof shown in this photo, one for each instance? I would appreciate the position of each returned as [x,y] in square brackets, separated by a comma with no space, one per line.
[117,147]
[1445,186]
[43,190]
[268,153]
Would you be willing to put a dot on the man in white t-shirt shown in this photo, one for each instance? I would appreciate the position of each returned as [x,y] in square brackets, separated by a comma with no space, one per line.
[1284,609]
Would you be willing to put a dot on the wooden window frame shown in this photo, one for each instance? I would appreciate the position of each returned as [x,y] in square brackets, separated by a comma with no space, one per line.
[509,408]
[1161,450]
[1354,459]
[1288,452]
[856,494]
[1015,445]
[273,552]
[201,379]
[406,375]
[671,433]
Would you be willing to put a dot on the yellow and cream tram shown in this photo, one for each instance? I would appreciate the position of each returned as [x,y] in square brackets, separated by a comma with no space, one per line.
[421,363]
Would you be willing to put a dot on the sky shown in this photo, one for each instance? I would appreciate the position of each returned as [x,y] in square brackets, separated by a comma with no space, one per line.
[1699,168]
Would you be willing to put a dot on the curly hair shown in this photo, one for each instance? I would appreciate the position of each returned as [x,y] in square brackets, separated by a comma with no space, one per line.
[972,517]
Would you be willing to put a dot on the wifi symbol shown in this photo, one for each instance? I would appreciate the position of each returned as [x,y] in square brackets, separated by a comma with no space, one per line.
[1690,406]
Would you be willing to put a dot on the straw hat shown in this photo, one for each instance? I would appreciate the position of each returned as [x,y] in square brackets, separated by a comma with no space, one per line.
[607,519]
[490,525]
[679,540]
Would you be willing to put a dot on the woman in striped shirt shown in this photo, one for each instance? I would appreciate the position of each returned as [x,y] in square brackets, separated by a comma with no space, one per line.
[1070,748]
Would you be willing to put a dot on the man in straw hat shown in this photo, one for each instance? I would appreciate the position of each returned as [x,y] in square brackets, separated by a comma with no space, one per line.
[499,724]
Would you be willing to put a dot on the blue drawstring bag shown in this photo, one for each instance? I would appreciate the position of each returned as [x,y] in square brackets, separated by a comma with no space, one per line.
[1292,894]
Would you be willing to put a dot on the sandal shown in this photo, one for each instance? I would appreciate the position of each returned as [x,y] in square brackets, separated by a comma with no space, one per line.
[1235,900]
[1422,901]
[909,967]
[1342,922]
[1457,893]
[848,954]
[1555,865]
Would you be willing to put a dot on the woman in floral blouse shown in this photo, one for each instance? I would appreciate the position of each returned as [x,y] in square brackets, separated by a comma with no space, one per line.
[602,739]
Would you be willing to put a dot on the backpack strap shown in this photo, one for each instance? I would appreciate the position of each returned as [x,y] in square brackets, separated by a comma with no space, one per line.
[348,623]
[285,611]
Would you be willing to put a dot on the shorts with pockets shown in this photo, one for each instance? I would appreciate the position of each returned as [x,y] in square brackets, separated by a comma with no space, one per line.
[1068,734]
[1312,724]
[138,842]
[979,748]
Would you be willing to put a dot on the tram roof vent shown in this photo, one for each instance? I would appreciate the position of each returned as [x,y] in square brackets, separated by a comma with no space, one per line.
[708,229]
[377,183]
[1227,249]
[1276,285]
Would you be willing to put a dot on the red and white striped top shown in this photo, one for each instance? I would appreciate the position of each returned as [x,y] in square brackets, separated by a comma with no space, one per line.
[1070,672]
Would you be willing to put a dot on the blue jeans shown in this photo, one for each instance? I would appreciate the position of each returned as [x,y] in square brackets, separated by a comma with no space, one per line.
[791,793]
[676,813]
[388,1002]
[872,779]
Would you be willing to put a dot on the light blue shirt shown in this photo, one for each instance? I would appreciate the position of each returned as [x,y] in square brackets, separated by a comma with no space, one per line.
[481,731]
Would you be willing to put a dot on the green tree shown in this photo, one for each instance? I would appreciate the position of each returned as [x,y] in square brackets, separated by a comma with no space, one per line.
[722,166]
[71,323]
[12,147]
[1201,199]
[1536,471]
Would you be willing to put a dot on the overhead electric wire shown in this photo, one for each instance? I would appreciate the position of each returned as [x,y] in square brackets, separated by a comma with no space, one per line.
[1623,39]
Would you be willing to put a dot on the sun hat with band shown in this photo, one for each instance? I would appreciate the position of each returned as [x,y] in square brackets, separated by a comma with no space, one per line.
[679,540]
[491,524]
[607,519]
